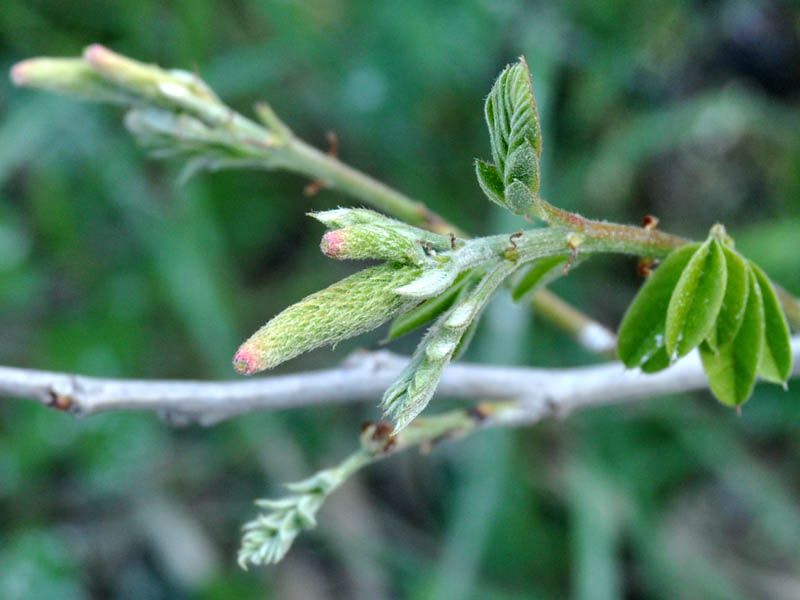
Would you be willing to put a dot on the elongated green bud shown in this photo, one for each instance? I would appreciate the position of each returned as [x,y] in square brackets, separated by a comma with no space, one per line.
[373,241]
[347,308]
[149,81]
[71,76]
[173,89]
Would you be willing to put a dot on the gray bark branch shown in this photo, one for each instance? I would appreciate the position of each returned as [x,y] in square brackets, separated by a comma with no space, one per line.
[361,378]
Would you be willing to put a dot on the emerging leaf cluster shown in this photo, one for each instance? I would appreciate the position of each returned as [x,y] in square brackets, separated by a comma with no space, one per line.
[516,138]
[708,296]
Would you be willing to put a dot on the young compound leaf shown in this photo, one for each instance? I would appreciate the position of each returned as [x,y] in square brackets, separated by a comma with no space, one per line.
[412,391]
[776,361]
[641,333]
[541,271]
[516,140]
[734,301]
[511,113]
[731,371]
[696,300]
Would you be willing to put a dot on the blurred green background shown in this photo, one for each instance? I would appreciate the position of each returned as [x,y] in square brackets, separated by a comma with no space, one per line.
[686,110]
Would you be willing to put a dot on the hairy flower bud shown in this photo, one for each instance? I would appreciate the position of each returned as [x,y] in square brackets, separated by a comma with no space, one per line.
[373,241]
[347,308]
[394,233]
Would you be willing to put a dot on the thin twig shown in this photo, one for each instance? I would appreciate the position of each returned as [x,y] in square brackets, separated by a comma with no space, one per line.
[361,378]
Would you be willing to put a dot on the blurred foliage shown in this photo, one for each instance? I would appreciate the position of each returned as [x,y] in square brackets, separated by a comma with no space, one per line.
[107,266]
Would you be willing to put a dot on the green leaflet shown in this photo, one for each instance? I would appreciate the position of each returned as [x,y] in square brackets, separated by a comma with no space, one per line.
[658,361]
[731,371]
[641,333]
[491,181]
[776,361]
[733,304]
[696,299]
[430,309]
[541,271]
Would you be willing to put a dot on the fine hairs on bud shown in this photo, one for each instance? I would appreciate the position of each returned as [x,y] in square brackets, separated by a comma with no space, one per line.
[373,241]
[347,308]
[401,234]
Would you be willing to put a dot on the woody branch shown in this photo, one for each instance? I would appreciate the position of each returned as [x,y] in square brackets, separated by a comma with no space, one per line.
[361,378]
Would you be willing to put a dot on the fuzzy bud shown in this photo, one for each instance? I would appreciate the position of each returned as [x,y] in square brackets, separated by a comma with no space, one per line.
[347,308]
[345,218]
[372,241]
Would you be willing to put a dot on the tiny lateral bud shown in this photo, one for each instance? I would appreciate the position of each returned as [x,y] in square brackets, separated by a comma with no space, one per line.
[650,222]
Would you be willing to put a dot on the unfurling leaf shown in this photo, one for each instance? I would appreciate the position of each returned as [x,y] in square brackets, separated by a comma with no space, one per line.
[347,308]
[516,139]
[641,334]
[696,300]
[731,370]
[776,361]
[511,114]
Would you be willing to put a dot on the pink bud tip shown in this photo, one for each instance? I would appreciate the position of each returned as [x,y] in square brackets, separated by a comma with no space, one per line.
[96,53]
[246,361]
[18,72]
[331,244]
